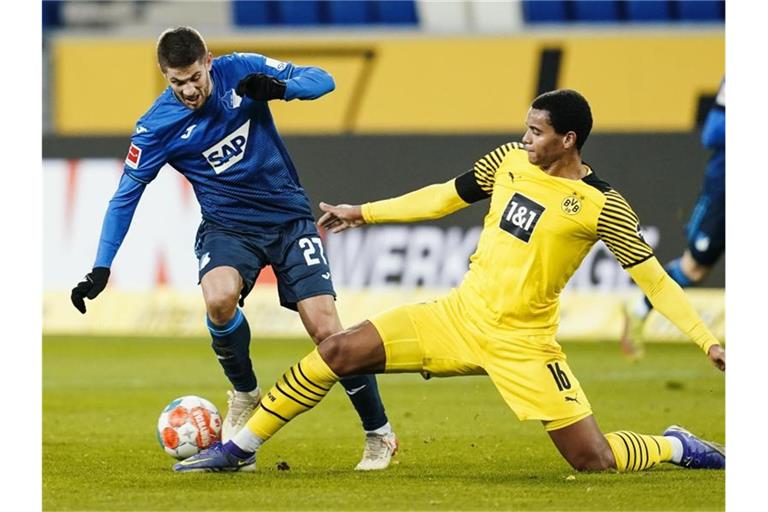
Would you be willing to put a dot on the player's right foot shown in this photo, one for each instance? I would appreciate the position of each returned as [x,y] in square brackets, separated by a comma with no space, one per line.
[215,459]
[697,453]
[240,407]
[378,452]
[632,342]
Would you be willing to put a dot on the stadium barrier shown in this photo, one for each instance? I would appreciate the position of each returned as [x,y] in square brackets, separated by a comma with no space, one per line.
[585,315]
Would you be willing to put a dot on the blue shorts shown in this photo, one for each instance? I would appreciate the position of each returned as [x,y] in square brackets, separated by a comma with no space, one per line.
[294,250]
[706,228]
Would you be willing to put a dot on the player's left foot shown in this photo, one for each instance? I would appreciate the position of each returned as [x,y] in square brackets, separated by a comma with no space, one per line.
[697,453]
[215,459]
[378,452]
[632,342]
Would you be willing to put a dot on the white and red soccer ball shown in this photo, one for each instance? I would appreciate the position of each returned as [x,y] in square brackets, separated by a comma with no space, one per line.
[188,425]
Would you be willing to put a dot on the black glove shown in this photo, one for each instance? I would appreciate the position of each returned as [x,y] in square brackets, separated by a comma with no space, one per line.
[259,86]
[95,281]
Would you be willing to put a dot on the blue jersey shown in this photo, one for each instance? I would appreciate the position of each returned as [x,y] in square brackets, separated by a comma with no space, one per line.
[713,137]
[713,132]
[228,149]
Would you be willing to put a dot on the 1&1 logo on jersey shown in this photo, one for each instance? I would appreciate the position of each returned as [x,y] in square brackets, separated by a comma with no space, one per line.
[228,151]
[521,216]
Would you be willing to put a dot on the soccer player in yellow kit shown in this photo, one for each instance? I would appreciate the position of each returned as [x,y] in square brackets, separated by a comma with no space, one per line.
[547,209]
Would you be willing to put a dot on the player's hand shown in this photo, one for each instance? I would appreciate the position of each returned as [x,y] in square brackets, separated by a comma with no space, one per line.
[95,281]
[259,86]
[717,356]
[340,217]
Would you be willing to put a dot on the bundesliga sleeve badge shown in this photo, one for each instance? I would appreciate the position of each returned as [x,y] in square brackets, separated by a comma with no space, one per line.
[134,155]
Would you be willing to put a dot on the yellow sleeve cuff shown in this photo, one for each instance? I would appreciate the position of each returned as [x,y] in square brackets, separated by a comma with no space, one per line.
[365,209]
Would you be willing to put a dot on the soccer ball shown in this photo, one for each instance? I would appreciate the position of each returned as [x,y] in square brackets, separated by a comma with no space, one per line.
[188,425]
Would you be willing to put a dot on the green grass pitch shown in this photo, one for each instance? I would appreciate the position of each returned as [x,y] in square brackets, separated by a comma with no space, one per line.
[461,447]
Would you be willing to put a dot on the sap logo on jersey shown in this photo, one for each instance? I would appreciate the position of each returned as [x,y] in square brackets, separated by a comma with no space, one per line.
[228,151]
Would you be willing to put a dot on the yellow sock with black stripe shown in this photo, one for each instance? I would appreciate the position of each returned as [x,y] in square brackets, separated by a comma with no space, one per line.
[297,391]
[636,452]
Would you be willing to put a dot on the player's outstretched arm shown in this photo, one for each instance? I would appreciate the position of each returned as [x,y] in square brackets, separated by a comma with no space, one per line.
[671,301]
[619,227]
[116,222]
[430,202]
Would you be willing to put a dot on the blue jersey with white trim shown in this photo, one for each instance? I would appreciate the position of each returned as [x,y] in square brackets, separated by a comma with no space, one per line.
[713,137]
[228,149]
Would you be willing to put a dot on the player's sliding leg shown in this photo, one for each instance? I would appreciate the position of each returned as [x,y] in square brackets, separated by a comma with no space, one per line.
[321,321]
[585,448]
[303,386]
[231,338]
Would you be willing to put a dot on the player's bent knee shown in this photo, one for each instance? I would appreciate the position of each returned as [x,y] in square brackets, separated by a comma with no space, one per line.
[336,352]
[698,273]
[330,350]
[221,306]
[692,269]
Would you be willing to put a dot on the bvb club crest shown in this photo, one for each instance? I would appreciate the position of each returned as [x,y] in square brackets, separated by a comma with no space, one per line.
[571,204]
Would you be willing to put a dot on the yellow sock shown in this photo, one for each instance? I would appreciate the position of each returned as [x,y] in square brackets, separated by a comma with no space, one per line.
[298,390]
[636,452]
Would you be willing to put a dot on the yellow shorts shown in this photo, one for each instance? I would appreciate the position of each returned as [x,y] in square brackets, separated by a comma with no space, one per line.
[530,372]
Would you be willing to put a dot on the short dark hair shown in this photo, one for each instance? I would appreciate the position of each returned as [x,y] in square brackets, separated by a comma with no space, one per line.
[180,47]
[568,111]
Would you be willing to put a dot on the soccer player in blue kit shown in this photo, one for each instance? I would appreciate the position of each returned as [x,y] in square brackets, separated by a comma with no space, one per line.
[705,230]
[213,125]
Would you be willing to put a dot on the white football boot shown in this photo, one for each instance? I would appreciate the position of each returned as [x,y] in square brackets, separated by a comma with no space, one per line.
[378,452]
[240,407]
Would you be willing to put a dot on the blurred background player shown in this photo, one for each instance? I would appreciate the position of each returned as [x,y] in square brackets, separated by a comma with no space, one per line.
[214,126]
[547,208]
[705,230]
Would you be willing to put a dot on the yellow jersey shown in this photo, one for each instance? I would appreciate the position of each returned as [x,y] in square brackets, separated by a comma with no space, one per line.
[536,233]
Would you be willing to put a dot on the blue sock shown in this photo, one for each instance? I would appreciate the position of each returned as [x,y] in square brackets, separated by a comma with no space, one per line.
[363,391]
[676,273]
[231,344]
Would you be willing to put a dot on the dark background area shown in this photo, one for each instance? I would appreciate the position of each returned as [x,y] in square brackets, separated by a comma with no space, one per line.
[660,174]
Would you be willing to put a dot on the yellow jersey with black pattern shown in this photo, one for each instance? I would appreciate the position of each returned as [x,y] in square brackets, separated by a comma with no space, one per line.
[536,233]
